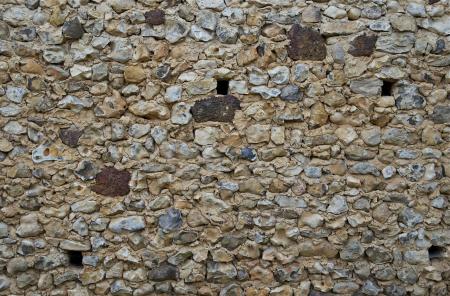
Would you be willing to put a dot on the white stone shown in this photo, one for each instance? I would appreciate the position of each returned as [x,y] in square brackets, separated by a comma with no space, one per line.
[206,136]
[279,74]
[200,34]
[265,92]
[238,87]
[211,4]
[258,133]
[173,93]
[346,134]
[334,12]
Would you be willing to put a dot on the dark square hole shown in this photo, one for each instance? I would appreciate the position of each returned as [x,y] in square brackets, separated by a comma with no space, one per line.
[436,252]
[386,89]
[222,87]
[75,258]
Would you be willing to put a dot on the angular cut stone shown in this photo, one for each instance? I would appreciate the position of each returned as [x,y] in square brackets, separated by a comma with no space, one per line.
[363,45]
[112,182]
[155,17]
[306,44]
[216,108]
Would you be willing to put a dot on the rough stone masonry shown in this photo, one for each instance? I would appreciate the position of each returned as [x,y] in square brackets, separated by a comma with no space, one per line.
[224,147]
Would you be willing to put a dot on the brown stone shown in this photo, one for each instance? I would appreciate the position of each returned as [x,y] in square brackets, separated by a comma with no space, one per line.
[32,67]
[363,45]
[155,17]
[306,44]
[70,136]
[112,182]
[134,74]
[216,108]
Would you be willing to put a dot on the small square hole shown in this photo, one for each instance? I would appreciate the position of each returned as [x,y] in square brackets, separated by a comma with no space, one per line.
[436,252]
[75,258]
[386,89]
[222,87]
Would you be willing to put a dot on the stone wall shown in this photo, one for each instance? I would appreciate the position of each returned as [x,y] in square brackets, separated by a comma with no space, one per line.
[224,147]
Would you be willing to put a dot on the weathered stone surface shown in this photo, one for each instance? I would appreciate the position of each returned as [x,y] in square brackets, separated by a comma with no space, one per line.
[363,45]
[218,108]
[441,114]
[306,44]
[130,223]
[72,29]
[197,148]
[164,272]
[112,182]
[155,17]
[70,136]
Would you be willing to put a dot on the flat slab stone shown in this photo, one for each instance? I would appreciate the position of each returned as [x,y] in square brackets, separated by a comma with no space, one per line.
[112,182]
[216,108]
[306,44]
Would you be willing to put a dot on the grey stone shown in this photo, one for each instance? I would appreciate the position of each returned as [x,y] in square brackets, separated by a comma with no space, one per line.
[54,55]
[206,19]
[291,93]
[300,72]
[413,172]
[265,92]
[378,254]
[124,224]
[227,33]
[86,206]
[16,265]
[416,257]
[86,170]
[407,96]
[119,287]
[438,25]
[313,172]
[364,168]
[176,29]
[367,87]
[170,221]
[337,205]
[200,34]
[211,4]
[409,217]
[50,261]
[408,275]
[3,230]
[441,114]
[16,94]
[351,251]
[139,130]
[399,137]
[164,272]
[217,272]
[71,245]
[5,282]
[10,110]
[80,226]
[370,288]
[72,29]
[396,42]
[279,74]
